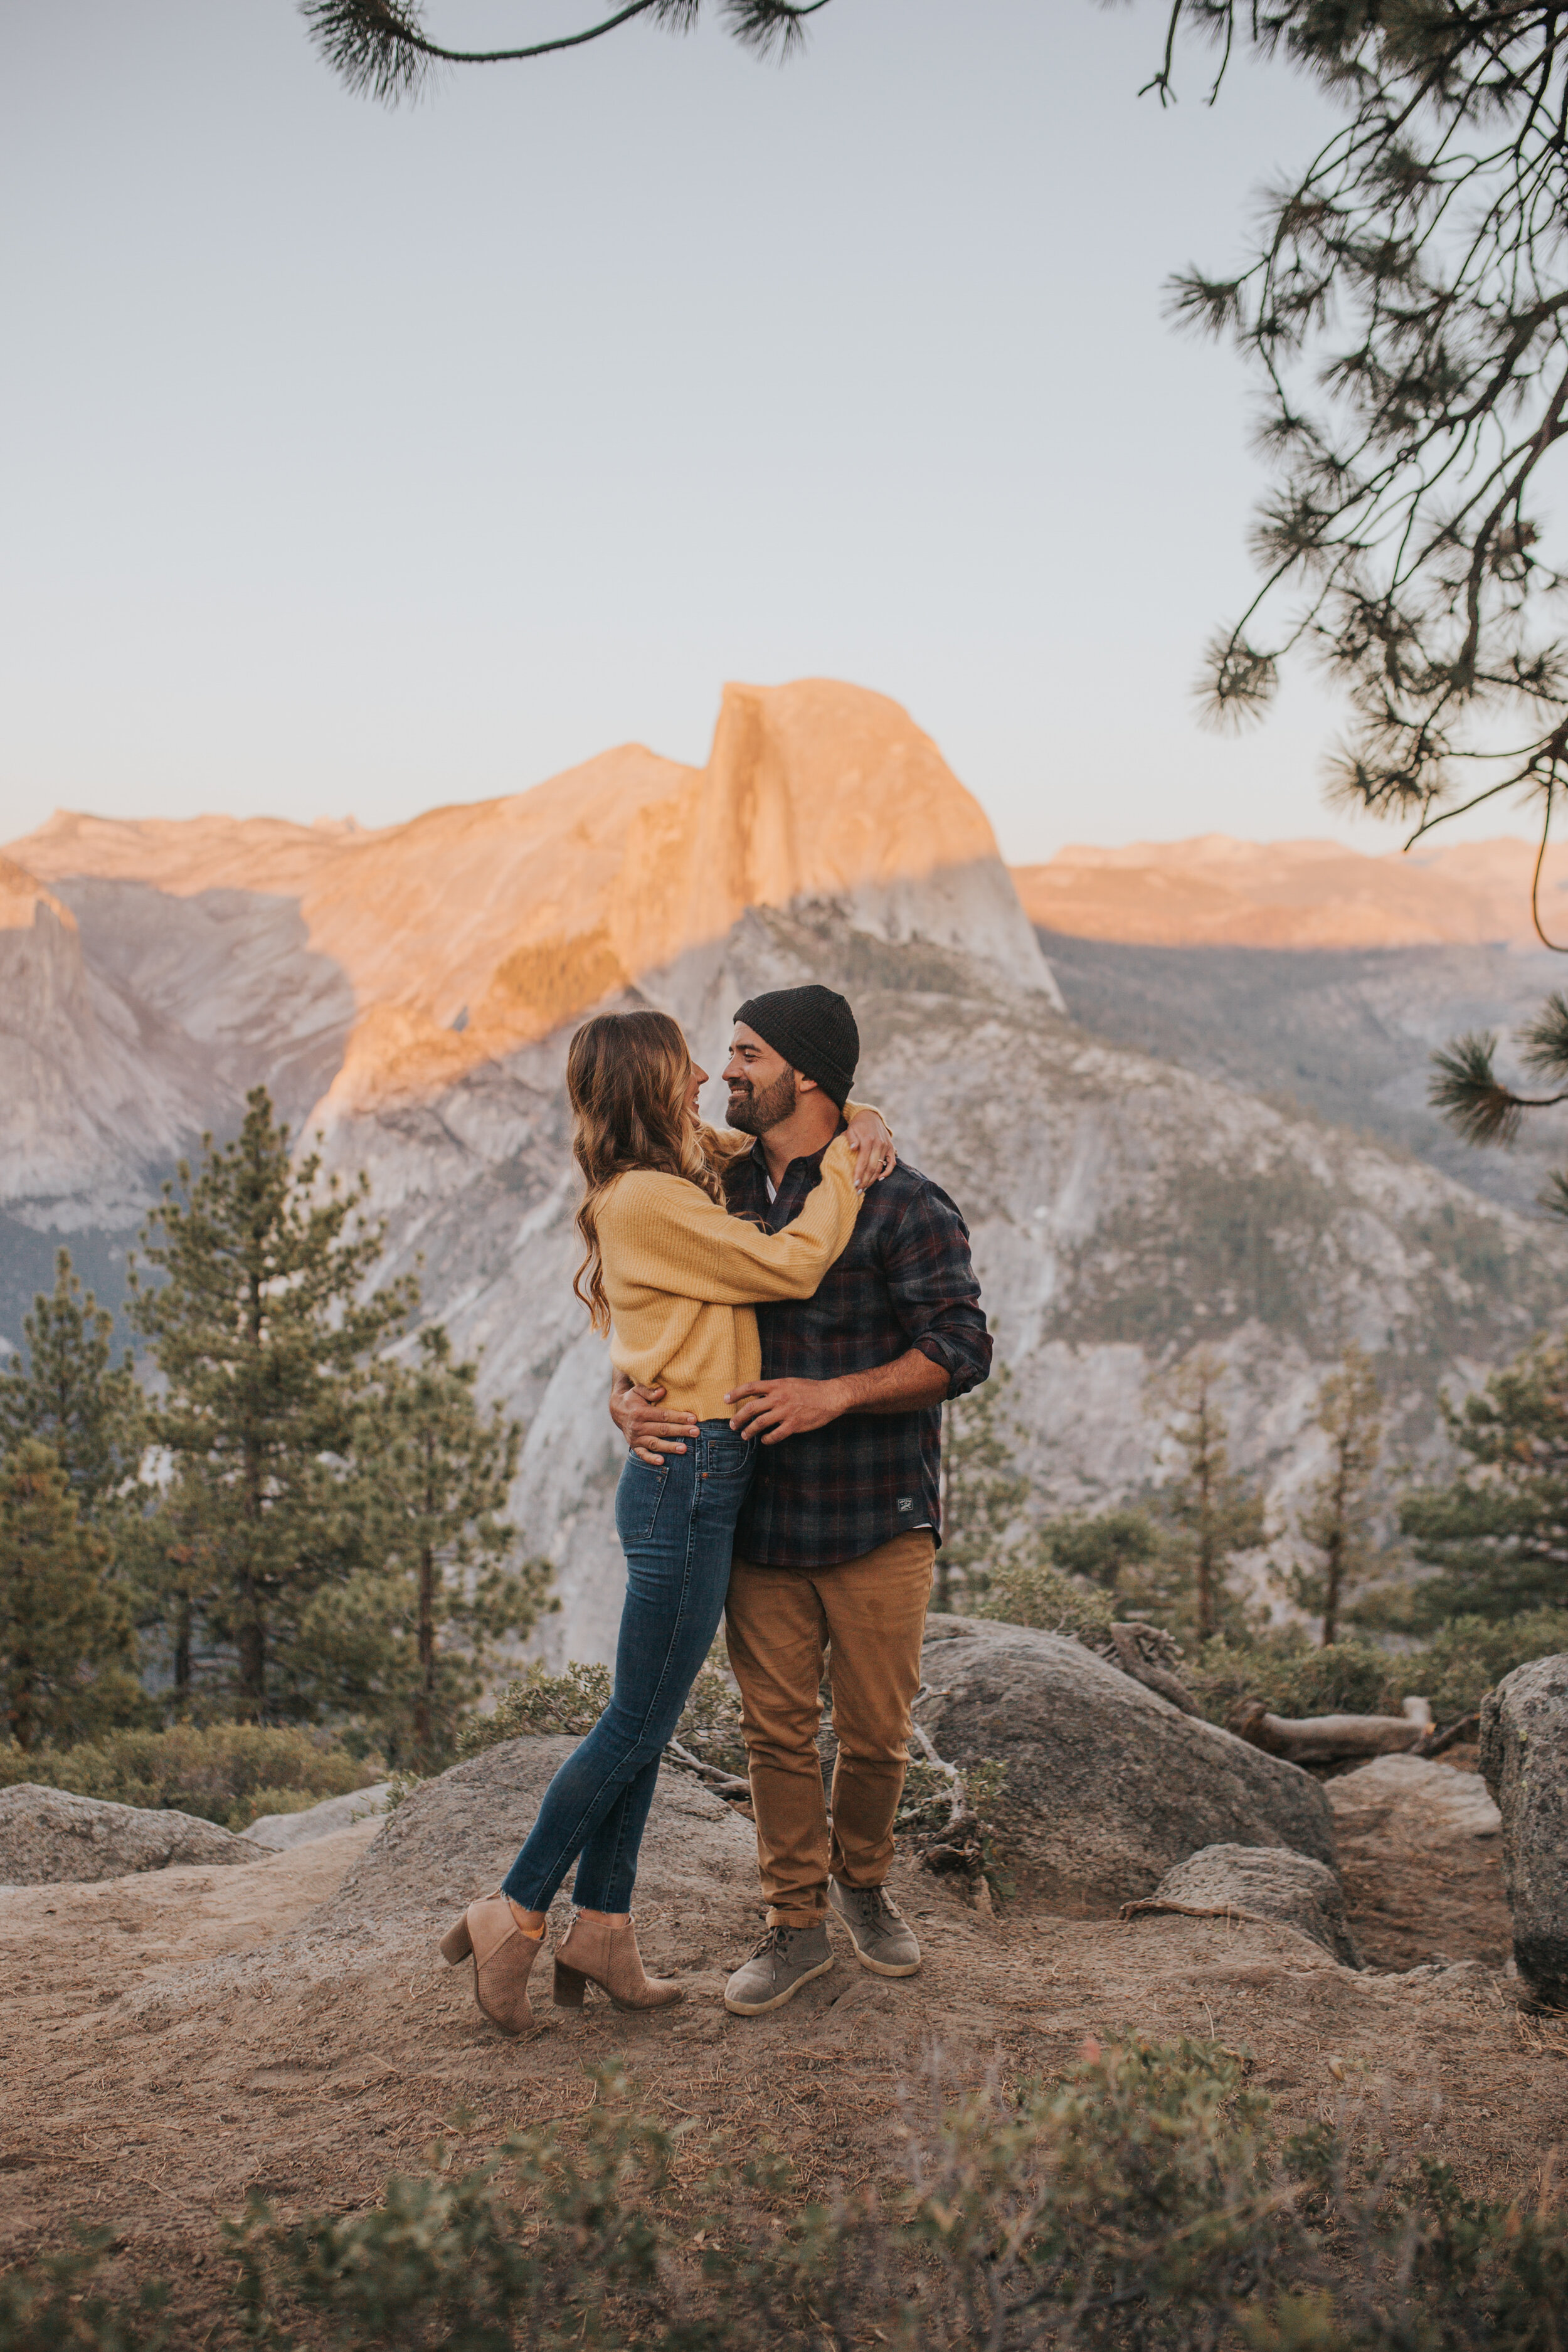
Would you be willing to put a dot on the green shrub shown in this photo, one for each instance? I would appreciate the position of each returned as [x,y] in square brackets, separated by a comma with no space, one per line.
[710,1726]
[1036,1592]
[1469,1656]
[1148,2203]
[270,1800]
[1294,1678]
[571,1702]
[1454,1671]
[49,2304]
[223,1772]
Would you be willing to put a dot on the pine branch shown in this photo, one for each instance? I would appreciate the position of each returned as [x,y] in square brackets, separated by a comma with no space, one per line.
[1237,685]
[380,50]
[1473,1098]
[770,26]
[1543,1043]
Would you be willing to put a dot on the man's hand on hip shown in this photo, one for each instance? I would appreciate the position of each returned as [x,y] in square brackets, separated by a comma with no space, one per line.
[774,1410]
[650,1430]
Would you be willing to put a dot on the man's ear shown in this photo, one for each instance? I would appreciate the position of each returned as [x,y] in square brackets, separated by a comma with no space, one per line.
[804,1085]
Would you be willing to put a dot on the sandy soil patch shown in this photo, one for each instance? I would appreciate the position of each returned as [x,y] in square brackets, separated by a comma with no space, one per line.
[178,2040]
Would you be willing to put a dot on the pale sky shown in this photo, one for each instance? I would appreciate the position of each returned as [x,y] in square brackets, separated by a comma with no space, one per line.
[359,461]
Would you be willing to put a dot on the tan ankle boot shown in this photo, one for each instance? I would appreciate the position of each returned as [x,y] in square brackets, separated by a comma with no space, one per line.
[594,1952]
[503,1956]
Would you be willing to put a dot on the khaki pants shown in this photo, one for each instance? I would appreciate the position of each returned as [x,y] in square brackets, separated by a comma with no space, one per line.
[867,1617]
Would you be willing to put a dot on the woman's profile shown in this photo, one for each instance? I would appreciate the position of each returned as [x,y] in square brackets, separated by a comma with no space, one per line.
[673,1278]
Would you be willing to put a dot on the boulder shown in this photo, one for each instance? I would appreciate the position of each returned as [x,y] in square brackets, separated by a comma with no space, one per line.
[1108,1784]
[46,1835]
[279,1832]
[1524,1760]
[1433,1799]
[455,1837]
[1257,1882]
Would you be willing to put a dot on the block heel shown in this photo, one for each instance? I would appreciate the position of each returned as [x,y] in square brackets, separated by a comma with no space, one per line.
[606,1955]
[502,1956]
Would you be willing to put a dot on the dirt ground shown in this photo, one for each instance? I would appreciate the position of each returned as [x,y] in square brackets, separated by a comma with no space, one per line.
[175,2040]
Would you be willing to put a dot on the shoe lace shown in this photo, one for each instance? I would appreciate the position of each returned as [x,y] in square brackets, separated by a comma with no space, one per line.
[880,1903]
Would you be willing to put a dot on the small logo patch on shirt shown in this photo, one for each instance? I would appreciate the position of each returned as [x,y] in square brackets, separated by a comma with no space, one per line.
[906,1502]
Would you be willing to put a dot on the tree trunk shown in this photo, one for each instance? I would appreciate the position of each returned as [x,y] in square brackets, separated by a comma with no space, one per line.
[1208,1626]
[1334,1552]
[1331,1594]
[1206,1590]
[252,1643]
[424,1692]
[182,1654]
[20,1713]
[252,1649]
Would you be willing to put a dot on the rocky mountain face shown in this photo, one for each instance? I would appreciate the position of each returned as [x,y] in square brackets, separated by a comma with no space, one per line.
[415,988]
[1315,975]
[1212,891]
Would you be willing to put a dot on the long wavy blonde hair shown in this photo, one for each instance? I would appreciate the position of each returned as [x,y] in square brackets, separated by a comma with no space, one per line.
[628,1075]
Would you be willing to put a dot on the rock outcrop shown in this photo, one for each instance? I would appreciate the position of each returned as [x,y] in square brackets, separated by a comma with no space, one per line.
[456,1837]
[1109,1785]
[1446,1802]
[1524,1758]
[46,1834]
[1252,1881]
[281,1832]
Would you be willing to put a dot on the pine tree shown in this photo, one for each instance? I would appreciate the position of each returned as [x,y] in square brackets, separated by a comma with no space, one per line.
[404,1642]
[1497,1537]
[65,1635]
[1113,1550]
[70,1397]
[1337,1518]
[262,1328]
[981,1491]
[1212,1511]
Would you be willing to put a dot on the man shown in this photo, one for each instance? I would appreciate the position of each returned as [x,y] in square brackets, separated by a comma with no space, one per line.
[835,1546]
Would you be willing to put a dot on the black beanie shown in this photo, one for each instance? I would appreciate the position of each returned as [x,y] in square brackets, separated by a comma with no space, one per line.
[814,1029]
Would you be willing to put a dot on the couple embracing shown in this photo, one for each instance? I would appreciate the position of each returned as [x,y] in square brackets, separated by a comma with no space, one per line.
[788,1307]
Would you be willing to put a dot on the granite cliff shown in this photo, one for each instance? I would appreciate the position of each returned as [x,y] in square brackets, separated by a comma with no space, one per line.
[409,992]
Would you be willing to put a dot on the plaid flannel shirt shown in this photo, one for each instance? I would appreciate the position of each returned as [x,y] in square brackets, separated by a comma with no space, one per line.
[904,1281]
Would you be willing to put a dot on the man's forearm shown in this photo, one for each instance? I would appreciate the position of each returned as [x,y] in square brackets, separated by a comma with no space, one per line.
[908,1383]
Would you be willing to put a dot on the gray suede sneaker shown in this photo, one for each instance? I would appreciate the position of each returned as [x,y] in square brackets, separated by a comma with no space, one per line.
[786,1958]
[883,1940]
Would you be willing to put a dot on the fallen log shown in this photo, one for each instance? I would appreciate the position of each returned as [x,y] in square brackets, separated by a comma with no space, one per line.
[1325,1739]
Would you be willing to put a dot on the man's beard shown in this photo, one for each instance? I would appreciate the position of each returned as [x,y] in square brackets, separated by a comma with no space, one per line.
[754,1111]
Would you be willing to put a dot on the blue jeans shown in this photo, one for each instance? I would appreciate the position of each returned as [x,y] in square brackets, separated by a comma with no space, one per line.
[677,1527]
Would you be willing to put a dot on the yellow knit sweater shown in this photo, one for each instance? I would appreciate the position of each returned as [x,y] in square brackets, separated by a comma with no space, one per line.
[680,1274]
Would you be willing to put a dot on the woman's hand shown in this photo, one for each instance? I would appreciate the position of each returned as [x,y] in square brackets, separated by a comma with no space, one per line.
[872,1145]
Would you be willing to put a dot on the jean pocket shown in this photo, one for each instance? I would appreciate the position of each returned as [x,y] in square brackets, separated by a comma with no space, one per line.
[639,1492]
[730,1457]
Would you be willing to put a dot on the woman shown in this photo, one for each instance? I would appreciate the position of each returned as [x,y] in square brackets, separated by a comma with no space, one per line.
[672,1277]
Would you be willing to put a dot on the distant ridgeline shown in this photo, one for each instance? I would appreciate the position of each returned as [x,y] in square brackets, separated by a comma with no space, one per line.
[1152,1170]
